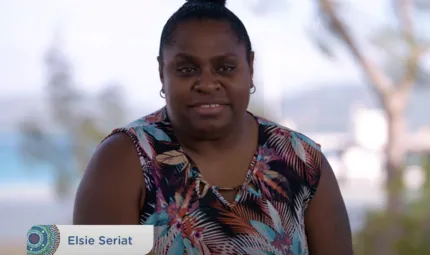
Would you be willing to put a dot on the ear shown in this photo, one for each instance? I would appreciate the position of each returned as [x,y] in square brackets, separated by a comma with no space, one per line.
[251,63]
[160,69]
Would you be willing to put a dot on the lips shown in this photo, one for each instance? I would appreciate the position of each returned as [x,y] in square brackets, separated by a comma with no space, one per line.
[208,105]
[208,108]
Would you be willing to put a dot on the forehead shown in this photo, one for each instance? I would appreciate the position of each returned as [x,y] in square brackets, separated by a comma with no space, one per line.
[204,39]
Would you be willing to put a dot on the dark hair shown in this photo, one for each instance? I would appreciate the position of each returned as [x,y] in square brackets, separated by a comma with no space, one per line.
[204,9]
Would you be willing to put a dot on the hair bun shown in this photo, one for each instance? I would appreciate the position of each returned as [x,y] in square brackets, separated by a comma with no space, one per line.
[218,2]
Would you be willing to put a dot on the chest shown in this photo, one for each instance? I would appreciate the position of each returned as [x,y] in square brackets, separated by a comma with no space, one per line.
[262,214]
[229,170]
[266,211]
[256,174]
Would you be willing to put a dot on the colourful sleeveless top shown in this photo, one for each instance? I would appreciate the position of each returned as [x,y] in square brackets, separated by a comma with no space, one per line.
[267,215]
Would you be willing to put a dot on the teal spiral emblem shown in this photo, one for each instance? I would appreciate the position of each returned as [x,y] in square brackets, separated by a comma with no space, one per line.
[43,240]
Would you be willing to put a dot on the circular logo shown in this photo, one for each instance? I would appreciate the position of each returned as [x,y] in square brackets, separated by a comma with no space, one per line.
[43,240]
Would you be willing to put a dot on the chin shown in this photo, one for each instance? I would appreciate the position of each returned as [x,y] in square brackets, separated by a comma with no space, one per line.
[210,129]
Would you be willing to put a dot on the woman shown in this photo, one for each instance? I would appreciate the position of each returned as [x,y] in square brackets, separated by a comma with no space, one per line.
[213,178]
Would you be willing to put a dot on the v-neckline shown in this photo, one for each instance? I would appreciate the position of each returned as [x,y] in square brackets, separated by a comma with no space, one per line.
[198,178]
[239,193]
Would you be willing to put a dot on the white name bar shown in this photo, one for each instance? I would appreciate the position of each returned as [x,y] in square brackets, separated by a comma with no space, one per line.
[90,239]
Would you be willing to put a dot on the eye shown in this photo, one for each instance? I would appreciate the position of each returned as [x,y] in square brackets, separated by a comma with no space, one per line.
[226,69]
[187,70]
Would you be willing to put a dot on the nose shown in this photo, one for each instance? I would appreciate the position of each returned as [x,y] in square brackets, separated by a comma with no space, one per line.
[207,82]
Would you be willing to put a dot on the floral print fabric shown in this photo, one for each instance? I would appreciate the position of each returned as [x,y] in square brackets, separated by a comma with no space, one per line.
[267,215]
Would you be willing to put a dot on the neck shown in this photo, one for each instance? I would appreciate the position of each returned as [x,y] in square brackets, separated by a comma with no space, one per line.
[223,143]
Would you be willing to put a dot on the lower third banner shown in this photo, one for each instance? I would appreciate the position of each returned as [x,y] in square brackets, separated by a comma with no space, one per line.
[90,239]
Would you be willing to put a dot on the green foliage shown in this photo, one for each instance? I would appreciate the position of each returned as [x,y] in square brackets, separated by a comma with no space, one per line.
[67,144]
[414,223]
[426,168]
[414,239]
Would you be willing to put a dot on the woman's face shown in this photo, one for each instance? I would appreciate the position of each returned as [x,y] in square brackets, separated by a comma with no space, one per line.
[206,76]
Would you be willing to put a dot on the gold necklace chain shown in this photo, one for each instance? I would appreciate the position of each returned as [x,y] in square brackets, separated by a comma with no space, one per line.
[229,188]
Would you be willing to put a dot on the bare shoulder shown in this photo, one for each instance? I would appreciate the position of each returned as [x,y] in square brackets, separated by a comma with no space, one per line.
[111,188]
[326,219]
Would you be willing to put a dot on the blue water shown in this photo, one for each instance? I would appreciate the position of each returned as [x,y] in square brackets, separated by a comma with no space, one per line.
[13,166]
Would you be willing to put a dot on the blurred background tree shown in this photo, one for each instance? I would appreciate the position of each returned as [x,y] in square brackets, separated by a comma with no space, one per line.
[67,144]
[401,46]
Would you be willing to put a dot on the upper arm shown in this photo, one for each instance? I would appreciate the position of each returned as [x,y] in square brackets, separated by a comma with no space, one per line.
[111,188]
[326,219]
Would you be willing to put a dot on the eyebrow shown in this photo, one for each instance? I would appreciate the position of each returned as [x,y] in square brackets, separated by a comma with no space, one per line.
[191,57]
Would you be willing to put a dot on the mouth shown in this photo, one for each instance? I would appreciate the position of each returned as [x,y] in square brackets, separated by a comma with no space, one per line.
[208,109]
[208,105]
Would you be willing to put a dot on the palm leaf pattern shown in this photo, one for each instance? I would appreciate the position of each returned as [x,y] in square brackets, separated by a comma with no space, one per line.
[268,217]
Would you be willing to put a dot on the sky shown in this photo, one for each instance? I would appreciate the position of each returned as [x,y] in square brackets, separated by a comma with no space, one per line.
[118,41]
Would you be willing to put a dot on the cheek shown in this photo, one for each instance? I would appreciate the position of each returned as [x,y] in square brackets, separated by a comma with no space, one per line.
[239,93]
[241,87]
[239,90]
[172,84]
[176,91]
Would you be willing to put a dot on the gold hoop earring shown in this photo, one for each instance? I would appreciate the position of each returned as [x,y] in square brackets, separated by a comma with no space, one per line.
[162,95]
[253,89]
